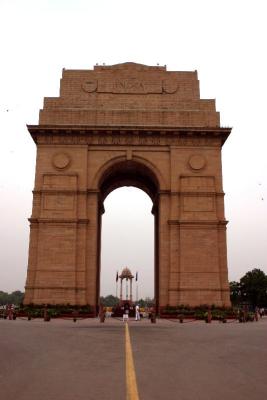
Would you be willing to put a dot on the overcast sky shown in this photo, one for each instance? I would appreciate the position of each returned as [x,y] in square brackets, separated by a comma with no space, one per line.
[224,40]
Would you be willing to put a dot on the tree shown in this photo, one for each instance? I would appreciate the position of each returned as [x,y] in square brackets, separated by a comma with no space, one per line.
[141,303]
[253,287]
[109,301]
[148,302]
[3,298]
[15,297]
[235,292]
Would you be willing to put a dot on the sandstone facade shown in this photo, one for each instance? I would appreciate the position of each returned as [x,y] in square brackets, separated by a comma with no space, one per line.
[128,124]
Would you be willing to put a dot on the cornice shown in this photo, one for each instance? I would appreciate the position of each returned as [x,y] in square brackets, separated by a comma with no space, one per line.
[198,223]
[56,287]
[83,221]
[93,130]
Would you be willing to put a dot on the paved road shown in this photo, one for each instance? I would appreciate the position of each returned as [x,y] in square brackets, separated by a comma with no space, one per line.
[198,361]
[86,360]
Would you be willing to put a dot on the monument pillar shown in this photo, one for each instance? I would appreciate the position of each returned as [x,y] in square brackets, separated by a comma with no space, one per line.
[131,290]
[121,290]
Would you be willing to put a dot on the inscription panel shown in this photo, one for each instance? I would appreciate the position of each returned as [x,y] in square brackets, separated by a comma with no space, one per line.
[58,202]
[197,183]
[130,85]
[198,203]
[54,181]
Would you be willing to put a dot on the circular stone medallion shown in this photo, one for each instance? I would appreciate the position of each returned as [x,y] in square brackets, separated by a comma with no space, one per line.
[197,161]
[61,160]
[90,86]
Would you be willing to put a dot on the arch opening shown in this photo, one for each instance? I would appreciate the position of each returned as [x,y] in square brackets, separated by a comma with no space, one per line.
[132,176]
[127,240]
[129,173]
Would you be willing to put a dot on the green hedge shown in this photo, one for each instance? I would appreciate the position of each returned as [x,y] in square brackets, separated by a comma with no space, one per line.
[199,312]
[55,310]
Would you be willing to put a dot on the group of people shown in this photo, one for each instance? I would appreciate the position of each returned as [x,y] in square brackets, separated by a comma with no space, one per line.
[9,312]
[259,313]
[126,313]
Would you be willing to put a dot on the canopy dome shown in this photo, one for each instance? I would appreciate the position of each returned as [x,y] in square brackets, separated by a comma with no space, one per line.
[126,273]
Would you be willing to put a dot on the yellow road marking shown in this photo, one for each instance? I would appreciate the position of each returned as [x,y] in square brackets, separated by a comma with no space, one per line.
[131,385]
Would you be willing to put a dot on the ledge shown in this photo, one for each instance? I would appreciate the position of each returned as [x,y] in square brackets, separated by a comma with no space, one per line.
[83,221]
[147,130]
[217,223]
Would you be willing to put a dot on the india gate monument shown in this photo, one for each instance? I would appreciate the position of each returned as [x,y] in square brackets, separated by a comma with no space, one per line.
[128,125]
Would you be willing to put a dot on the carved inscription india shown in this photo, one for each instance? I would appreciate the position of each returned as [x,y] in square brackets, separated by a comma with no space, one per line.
[131,85]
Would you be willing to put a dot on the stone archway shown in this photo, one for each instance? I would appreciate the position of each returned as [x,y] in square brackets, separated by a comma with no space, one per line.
[119,125]
[137,174]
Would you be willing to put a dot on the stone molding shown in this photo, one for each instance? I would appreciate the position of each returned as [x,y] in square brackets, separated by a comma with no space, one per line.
[90,135]
[83,221]
[55,287]
[197,223]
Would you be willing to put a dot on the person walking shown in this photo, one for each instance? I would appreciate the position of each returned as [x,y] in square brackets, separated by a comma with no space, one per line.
[137,312]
